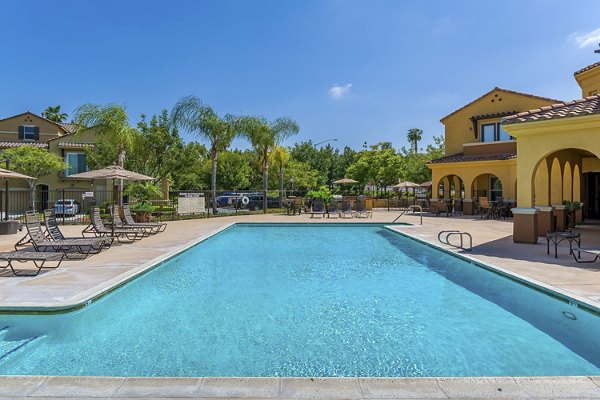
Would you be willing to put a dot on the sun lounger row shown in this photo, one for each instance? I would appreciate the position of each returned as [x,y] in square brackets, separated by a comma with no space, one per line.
[50,245]
[332,211]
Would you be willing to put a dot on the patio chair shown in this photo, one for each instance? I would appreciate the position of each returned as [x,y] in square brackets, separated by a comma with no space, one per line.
[347,209]
[437,207]
[484,207]
[54,232]
[332,209]
[42,242]
[152,227]
[98,229]
[361,208]
[318,208]
[38,259]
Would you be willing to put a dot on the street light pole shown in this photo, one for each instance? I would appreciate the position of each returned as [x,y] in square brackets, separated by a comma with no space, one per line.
[325,141]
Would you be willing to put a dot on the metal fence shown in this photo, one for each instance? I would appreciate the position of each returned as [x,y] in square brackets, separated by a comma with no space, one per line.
[73,206]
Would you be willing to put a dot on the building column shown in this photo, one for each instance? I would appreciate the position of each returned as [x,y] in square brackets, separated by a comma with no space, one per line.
[525,226]
[545,220]
[561,218]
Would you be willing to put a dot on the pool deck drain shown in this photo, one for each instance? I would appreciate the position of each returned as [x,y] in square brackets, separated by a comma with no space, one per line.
[301,388]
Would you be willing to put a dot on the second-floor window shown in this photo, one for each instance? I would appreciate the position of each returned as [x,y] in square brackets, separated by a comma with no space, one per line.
[77,163]
[493,133]
[29,132]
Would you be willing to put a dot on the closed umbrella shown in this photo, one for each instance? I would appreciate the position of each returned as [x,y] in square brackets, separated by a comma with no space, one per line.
[7,174]
[112,172]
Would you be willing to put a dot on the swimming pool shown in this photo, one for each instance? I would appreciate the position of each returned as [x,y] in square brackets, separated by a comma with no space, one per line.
[309,300]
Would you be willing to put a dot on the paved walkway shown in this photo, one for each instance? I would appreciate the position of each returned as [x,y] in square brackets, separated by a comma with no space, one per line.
[77,281]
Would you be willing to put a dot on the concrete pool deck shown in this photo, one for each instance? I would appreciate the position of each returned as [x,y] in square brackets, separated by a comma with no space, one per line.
[77,281]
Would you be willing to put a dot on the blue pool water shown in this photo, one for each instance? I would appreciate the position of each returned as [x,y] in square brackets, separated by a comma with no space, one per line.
[305,300]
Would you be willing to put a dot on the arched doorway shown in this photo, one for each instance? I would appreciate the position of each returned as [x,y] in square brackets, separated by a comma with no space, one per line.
[489,186]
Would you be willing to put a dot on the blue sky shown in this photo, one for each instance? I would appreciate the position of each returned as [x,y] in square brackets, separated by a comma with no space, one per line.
[352,70]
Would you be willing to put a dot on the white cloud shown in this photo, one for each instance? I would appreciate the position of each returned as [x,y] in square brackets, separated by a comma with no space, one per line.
[588,39]
[339,92]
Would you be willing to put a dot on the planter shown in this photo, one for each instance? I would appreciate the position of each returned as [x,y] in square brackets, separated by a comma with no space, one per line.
[142,216]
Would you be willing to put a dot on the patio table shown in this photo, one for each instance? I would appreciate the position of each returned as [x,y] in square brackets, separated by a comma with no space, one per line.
[557,237]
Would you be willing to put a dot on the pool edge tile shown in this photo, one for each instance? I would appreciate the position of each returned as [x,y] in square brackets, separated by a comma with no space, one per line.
[226,387]
[78,386]
[317,388]
[481,387]
[17,385]
[146,387]
[402,388]
[559,386]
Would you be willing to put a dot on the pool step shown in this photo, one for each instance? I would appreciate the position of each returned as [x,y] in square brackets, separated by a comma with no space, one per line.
[8,347]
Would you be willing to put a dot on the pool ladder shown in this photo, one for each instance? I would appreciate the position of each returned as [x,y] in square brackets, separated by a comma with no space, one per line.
[446,239]
[413,207]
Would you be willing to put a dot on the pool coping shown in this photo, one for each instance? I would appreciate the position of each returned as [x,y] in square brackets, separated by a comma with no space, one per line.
[301,388]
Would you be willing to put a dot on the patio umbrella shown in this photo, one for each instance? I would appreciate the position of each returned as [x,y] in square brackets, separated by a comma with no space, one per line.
[7,174]
[112,172]
[426,184]
[405,185]
[344,181]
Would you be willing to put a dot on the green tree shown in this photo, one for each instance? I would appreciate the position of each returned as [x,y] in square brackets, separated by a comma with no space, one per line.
[234,170]
[34,162]
[111,124]
[54,114]
[414,165]
[280,156]
[414,136]
[193,176]
[264,137]
[190,114]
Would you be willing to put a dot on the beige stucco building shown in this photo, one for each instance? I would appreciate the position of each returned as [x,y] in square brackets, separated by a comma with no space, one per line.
[29,129]
[538,151]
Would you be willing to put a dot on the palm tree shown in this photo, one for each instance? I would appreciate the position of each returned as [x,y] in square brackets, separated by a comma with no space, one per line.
[110,122]
[280,156]
[414,135]
[54,114]
[264,137]
[190,114]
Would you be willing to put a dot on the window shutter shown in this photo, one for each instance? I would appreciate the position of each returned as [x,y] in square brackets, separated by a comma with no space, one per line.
[21,132]
[36,133]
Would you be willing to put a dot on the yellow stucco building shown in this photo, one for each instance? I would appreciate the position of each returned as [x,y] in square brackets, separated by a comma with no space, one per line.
[535,150]
[29,129]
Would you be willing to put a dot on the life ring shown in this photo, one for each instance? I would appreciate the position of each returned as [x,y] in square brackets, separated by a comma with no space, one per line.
[245,200]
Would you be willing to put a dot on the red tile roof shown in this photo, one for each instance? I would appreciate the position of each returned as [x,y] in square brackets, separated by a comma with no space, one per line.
[5,144]
[592,66]
[576,108]
[461,157]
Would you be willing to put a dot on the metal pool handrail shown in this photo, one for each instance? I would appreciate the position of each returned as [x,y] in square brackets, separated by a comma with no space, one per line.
[456,233]
[412,207]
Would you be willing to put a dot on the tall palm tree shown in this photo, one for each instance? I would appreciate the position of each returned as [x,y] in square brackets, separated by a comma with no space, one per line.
[280,156]
[190,114]
[264,137]
[54,114]
[110,122]
[414,135]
